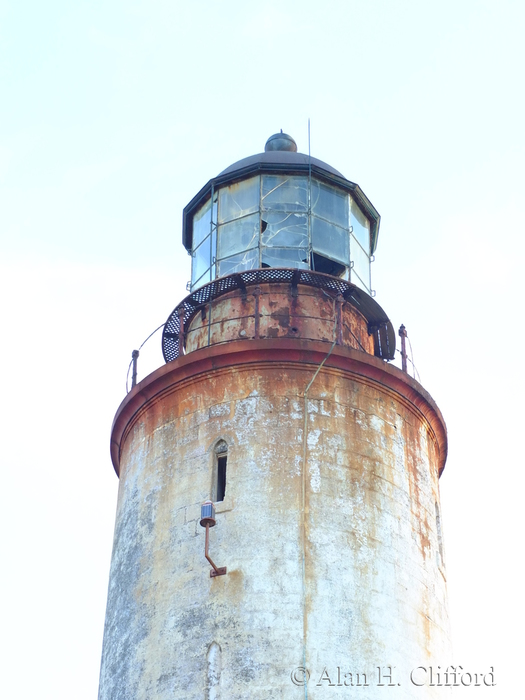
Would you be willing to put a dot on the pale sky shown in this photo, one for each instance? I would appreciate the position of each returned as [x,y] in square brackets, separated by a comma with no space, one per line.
[113,115]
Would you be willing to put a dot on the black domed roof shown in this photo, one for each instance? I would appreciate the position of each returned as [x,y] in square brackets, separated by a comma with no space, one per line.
[283,158]
[280,150]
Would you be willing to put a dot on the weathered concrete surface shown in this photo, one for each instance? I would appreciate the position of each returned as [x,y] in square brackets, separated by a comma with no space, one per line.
[333,560]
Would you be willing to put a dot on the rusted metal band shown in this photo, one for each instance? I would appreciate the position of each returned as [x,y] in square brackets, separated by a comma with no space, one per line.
[384,334]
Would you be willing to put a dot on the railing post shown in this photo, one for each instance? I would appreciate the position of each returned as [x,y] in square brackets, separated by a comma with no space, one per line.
[209,323]
[339,300]
[256,294]
[181,331]
[134,358]
[403,334]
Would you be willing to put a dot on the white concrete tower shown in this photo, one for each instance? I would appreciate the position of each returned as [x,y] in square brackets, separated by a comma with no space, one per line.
[277,403]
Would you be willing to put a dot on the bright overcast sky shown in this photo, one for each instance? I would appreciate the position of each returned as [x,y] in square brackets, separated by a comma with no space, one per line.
[113,116]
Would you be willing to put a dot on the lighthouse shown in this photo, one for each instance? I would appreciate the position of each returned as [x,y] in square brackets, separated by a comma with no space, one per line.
[278,528]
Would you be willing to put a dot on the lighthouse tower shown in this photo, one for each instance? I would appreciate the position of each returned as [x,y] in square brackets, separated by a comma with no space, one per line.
[278,525]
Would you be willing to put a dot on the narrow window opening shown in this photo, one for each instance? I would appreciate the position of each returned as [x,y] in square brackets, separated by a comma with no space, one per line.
[221,477]
[213,681]
[221,459]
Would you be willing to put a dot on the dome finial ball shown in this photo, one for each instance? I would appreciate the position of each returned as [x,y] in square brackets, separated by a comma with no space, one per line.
[281,142]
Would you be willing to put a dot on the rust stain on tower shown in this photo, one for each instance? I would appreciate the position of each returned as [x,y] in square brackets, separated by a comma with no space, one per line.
[279,403]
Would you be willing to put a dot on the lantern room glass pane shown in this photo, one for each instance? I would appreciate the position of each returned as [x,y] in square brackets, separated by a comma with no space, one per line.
[330,240]
[360,226]
[330,203]
[248,260]
[206,277]
[238,235]
[213,251]
[201,224]
[358,283]
[285,257]
[285,192]
[281,220]
[201,259]
[361,265]
[280,228]
[239,199]
[214,212]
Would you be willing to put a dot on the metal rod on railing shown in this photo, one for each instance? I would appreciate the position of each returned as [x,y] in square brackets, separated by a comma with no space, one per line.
[134,358]
[339,300]
[256,294]
[181,331]
[209,323]
[403,334]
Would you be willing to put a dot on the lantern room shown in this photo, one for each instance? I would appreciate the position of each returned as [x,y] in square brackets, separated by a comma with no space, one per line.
[281,208]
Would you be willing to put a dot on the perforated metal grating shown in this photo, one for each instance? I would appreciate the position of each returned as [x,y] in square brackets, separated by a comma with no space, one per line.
[378,322]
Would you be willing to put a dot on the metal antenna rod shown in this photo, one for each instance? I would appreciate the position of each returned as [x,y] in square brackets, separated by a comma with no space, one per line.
[310,253]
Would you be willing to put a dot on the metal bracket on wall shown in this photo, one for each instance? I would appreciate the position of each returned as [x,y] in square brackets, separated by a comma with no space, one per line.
[207,521]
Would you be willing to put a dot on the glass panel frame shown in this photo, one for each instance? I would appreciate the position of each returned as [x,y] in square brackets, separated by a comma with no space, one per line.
[330,203]
[201,260]
[281,220]
[284,193]
[201,224]
[360,226]
[248,260]
[285,257]
[283,229]
[203,279]
[361,264]
[239,200]
[330,240]
[238,235]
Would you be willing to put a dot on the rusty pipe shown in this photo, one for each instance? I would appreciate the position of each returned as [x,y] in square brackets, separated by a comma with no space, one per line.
[217,571]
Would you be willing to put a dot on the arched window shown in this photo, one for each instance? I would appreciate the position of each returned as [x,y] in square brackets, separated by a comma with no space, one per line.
[219,481]
[213,684]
